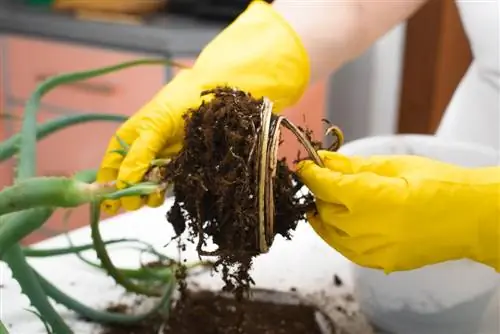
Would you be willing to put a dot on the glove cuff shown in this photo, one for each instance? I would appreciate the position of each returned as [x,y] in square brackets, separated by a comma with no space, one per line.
[260,53]
[299,60]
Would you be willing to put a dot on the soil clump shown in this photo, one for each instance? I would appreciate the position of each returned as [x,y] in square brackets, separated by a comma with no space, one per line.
[215,181]
[207,313]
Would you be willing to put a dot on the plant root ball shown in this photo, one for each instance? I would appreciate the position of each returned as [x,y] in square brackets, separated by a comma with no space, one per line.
[215,183]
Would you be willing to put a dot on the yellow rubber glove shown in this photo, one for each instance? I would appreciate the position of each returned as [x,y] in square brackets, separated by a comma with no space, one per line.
[259,53]
[404,212]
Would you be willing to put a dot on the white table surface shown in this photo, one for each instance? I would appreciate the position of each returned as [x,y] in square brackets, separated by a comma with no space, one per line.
[305,263]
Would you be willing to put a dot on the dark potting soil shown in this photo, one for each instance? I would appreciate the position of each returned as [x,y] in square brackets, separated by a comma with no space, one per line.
[206,313]
[215,183]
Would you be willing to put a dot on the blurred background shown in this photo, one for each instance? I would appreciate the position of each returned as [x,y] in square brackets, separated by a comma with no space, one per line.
[402,84]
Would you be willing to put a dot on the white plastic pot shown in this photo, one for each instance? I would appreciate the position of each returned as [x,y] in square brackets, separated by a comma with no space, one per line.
[456,297]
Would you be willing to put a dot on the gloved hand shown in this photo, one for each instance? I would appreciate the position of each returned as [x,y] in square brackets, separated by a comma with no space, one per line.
[258,53]
[403,212]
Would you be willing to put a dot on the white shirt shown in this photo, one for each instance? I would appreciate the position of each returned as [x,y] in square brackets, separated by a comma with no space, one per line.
[474,112]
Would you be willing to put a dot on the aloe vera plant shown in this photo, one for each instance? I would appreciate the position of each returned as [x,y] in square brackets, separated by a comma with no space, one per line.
[3,329]
[30,201]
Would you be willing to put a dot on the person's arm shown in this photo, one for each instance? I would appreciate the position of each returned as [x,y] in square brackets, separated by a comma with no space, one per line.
[336,31]
[269,50]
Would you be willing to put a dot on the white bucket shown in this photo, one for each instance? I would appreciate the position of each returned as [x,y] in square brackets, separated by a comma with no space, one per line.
[456,297]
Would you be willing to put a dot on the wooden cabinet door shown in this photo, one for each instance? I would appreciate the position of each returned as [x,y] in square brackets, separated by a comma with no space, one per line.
[124,91]
[437,55]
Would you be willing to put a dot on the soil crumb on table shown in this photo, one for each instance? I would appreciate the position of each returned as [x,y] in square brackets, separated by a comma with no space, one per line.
[206,313]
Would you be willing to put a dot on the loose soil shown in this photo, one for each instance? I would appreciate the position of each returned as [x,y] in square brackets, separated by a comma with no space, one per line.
[206,313]
[215,183]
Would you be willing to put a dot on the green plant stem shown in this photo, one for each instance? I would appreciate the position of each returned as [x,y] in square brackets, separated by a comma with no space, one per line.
[107,264]
[102,316]
[30,286]
[45,192]
[14,227]
[3,329]
[38,315]
[61,192]
[27,151]
[87,176]
[163,274]
[33,252]
[26,168]
[17,225]
[10,146]
[142,273]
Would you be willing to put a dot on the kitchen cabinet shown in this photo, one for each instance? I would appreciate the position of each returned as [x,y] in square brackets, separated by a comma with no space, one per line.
[124,91]
[81,146]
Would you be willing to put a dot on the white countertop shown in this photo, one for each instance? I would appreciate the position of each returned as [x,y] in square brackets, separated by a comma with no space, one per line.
[305,263]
